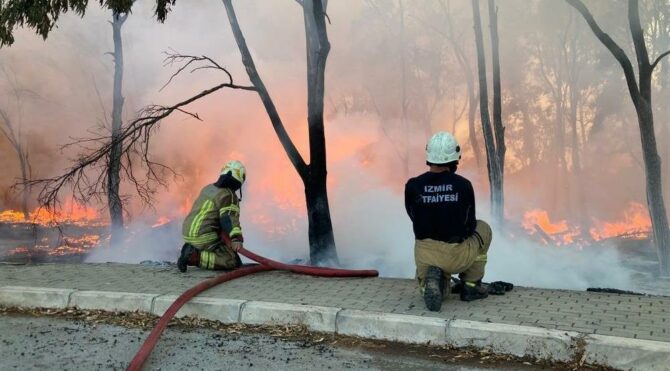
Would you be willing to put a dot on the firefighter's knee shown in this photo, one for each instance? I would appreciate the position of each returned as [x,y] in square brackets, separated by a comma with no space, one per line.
[484,234]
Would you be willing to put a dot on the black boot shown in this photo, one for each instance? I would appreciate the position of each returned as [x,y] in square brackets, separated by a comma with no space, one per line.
[457,286]
[187,257]
[433,289]
[472,292]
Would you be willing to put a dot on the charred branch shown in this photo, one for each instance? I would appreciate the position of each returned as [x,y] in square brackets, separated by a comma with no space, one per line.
[87,178]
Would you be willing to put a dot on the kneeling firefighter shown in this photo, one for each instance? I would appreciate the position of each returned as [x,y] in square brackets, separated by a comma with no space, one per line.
[449,239]
[211,230]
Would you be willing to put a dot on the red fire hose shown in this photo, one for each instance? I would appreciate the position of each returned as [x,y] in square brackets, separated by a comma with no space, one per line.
[265,265]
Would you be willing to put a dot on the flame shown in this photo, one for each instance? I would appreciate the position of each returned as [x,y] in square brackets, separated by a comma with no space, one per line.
[635,224]
[73,214]
[560,232]
[161,221]
[66,246]
[84,237]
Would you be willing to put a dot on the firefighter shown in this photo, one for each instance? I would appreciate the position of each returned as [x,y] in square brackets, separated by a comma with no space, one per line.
[449,239]
[211,230]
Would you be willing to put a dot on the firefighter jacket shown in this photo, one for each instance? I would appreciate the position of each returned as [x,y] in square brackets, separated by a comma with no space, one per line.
[215,210]
[441,206]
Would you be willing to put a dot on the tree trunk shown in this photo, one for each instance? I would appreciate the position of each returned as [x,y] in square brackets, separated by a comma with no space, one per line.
[322,249]
[114,171]
[472,111]
[15,139]
[470,84]
[640,93]
[489,141]
[654,187]
[652,161]
[498,205]
[321,238]
[25,177]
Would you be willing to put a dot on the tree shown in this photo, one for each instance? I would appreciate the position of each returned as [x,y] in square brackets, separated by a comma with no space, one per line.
[464,63]
[132,142]
[640,93]
[494,138]
[313,175]
[114,201]
[13,132]
[43,15]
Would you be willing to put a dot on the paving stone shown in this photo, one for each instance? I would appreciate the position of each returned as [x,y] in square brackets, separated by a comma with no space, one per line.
[564,309]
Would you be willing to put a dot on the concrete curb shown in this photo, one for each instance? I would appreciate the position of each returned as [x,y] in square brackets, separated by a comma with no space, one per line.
[626,353]
[393,327]
[315,318]
[618,352]
[35,297]
[513,339]
[112,301]
[222,310]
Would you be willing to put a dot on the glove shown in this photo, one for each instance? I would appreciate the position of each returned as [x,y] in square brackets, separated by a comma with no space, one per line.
[500,287]
[236,245]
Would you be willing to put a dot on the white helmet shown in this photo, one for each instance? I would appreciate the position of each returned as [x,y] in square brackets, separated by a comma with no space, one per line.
[442,148]
[236,169]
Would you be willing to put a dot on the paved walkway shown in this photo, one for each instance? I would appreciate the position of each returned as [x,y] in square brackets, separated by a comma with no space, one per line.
[628,316]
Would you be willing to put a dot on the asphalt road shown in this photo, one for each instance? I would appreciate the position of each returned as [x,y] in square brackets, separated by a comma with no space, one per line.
[50,343]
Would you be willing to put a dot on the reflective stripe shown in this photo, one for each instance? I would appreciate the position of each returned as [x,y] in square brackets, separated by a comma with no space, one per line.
[229,208]
[482,258]
[212,260]
[204,255]
[207,259]
[205,239]
[235,231]
[197,221]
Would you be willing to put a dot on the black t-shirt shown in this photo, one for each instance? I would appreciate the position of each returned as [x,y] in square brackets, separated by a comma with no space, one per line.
[441,206]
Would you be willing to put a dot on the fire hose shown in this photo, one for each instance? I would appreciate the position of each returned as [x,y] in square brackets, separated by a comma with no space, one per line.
[265,265]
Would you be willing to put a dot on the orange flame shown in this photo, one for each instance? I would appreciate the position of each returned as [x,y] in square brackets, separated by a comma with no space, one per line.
[538,221]
[74,214]
[161,221]
[635,224]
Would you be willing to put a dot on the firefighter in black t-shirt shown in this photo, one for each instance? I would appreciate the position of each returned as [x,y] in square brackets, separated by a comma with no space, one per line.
[449,238]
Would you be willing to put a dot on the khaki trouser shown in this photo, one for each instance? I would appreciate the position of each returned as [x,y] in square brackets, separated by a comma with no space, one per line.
[467,258]
[218,256]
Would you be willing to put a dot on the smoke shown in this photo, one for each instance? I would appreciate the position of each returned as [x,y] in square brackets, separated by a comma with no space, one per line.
[375,139]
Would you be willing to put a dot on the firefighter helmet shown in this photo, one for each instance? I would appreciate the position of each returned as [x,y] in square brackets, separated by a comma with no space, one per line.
[236,170]
[442,148]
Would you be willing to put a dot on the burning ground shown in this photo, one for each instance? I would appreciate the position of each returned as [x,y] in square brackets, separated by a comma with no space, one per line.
[535,251]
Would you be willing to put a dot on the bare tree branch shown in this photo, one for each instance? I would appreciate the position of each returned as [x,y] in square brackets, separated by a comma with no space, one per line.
[611,45]
[135,140]
[173,57]
[663,55]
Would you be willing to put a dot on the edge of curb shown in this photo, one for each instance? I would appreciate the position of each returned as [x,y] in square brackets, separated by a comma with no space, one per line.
[618,352]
